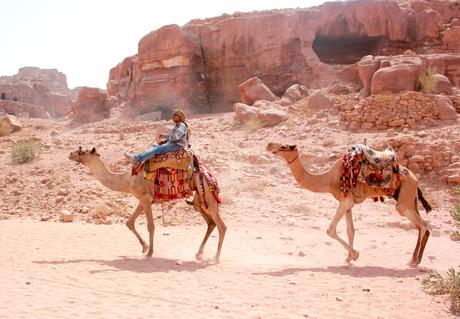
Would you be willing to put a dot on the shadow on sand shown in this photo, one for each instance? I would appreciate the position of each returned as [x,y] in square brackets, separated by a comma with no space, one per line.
[351,271]
[139,264]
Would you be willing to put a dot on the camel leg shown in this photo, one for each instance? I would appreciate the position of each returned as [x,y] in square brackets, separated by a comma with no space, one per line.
[407,206]
[150,226]
[344,206]
[213,212]
[423,234]
[131,225]
[351,235]
[211,226]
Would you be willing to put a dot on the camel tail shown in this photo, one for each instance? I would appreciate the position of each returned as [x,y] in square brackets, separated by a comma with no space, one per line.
[424,202]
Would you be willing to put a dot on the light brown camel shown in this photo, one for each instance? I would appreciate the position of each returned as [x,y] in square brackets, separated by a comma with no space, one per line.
[138,187]
[406,193]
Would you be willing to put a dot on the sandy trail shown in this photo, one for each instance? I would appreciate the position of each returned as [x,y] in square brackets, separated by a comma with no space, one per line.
[54,270]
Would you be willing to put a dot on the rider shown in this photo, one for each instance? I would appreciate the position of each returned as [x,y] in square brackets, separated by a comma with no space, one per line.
[178,139]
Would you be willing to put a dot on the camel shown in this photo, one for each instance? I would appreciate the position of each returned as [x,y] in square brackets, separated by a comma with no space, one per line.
[137,186]
[406,192]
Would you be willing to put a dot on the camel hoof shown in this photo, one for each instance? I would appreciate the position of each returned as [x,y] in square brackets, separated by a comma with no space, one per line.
[355,255]
[412,264]
[150,253]
[216,259]
[145,248]
[199,256]
[352,256]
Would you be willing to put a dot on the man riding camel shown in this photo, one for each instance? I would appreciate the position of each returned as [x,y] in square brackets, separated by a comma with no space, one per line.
[178,139]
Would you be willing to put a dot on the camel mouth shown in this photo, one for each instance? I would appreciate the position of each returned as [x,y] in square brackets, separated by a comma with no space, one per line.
[74,157]
[272,148]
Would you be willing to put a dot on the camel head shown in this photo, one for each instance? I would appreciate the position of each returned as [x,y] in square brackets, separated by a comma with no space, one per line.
[83,157]
[288,152]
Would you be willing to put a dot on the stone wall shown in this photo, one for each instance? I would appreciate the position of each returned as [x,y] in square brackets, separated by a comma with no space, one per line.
[404,110]
[424,155]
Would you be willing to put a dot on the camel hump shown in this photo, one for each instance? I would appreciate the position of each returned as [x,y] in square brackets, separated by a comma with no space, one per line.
[180,159]
[374,157]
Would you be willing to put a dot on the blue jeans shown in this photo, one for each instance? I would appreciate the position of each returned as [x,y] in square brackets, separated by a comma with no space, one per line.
[156,150]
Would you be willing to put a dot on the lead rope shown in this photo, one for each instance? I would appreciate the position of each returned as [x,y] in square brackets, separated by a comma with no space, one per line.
[163,214]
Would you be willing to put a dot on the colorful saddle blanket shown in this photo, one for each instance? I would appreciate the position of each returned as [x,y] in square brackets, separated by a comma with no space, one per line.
[362,164]
[180,159]
[169,175]
[169,184]
[210,180]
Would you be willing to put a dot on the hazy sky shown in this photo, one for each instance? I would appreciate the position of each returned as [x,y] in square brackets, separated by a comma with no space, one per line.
[86,38]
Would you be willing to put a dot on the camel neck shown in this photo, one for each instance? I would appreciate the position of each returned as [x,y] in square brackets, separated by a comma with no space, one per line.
[116,182]
[313,182]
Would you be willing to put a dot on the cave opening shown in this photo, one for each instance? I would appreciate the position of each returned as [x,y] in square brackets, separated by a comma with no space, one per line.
[345,50]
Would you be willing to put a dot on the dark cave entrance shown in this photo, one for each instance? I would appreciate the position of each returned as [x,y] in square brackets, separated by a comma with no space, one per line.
[345,50]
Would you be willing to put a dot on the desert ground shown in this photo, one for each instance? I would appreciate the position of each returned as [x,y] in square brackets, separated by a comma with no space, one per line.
[277,260]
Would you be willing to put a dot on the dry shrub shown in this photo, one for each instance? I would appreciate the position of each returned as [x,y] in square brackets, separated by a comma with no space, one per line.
[427,81]
[299,208]
[253,125]
[255,186]
[455,213]
[436,284]
[24,151]
[103,212]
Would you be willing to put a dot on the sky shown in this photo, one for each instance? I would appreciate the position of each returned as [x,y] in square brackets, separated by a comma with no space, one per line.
[84,39]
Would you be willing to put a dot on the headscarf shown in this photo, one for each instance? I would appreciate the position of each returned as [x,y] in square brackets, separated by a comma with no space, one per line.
[180,113]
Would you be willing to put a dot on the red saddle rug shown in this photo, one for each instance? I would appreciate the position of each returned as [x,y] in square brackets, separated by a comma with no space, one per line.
[169,184]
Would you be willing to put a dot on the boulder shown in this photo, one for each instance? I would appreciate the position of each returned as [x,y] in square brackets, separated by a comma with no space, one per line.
[319,101]
[427,24]
[244,112]
[446,110]
[441,84]
[366,69]
[90,106]
[293,94]
[272,117]
[395,79]
[9,124]
[254,89]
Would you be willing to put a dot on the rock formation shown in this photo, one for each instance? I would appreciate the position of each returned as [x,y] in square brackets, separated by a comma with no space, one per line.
[200,65]
[37,92]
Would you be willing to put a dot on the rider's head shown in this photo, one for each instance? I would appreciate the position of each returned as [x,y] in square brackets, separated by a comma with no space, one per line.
[178,116]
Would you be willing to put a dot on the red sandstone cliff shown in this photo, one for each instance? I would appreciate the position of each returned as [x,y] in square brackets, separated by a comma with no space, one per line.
[200,65]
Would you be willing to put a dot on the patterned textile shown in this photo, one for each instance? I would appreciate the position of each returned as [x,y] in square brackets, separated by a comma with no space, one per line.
[177,156]
[362,164]
[169,184]
[211,181]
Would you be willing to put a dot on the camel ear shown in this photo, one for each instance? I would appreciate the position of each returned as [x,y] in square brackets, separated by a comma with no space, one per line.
[292,147]
[93,150]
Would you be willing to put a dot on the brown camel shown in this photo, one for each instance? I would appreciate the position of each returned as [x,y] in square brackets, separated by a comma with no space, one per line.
[405,193]
[138,187]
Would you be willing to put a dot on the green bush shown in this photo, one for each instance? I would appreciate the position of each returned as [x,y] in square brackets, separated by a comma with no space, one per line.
[436,284]
[24,151]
